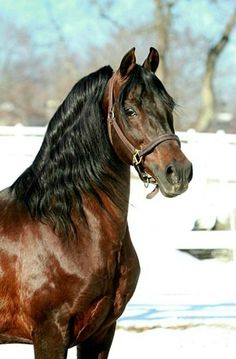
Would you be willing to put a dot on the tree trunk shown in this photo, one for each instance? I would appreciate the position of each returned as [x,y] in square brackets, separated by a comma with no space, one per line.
[207,111]
[162,25]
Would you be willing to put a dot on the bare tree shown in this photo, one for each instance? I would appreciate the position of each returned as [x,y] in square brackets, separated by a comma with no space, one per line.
[207,111]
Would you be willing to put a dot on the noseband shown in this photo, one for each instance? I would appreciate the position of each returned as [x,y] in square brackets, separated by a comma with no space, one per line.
[137,155]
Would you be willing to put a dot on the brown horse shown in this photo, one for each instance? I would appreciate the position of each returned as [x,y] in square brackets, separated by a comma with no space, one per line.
[67,264]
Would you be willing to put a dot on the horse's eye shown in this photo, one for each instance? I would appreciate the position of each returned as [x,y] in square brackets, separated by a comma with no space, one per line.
[130,112]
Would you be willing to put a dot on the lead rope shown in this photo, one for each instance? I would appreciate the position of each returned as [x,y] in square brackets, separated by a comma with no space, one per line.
[146,181]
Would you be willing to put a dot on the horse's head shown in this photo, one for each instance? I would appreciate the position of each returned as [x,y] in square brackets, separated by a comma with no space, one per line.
[140,125]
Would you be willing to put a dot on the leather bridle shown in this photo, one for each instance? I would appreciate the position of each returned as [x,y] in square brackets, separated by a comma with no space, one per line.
[137,155]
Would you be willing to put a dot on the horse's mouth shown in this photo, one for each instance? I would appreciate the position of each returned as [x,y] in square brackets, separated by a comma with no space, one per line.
[171,191]
[166,189]
[166,192]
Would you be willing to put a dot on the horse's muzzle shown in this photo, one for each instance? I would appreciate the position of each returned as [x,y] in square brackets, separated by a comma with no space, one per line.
[174,179]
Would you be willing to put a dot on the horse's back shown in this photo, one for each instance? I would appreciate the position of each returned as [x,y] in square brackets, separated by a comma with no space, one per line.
[13,215]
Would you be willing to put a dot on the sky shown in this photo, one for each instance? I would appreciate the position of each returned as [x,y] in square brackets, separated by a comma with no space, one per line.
[81,23]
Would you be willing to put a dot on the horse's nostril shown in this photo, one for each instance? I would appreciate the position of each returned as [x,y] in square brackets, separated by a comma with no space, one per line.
[171,174]
[176,174]
[169,170]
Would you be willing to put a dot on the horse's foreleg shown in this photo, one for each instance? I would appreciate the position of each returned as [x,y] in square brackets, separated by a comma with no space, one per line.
[97,347]
[50,341]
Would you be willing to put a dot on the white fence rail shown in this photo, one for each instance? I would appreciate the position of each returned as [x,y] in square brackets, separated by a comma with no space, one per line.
[212,193]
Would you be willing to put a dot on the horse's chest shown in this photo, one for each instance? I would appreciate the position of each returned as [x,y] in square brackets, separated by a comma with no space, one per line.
[111,290]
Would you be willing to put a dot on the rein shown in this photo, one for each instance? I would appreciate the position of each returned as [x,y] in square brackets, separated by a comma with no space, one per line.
[137,155]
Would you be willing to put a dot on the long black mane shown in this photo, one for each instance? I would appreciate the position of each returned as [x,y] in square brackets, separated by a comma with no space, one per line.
[75,158]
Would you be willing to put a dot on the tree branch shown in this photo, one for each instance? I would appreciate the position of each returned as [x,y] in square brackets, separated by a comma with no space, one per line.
[207,111]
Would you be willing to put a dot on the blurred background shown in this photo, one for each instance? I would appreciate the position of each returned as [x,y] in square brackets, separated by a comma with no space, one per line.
[188,256]
[47,45]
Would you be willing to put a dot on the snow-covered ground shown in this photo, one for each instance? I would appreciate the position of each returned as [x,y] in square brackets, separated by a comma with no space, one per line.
[183,343]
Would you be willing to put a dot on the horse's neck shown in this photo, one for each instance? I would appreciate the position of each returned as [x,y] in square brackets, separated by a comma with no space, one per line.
[108,211]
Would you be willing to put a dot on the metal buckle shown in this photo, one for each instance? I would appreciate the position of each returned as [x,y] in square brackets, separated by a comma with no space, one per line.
[137,159]
[111,115]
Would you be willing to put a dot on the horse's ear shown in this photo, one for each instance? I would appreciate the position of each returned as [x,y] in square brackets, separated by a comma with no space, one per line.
[127,63]
[152,61]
